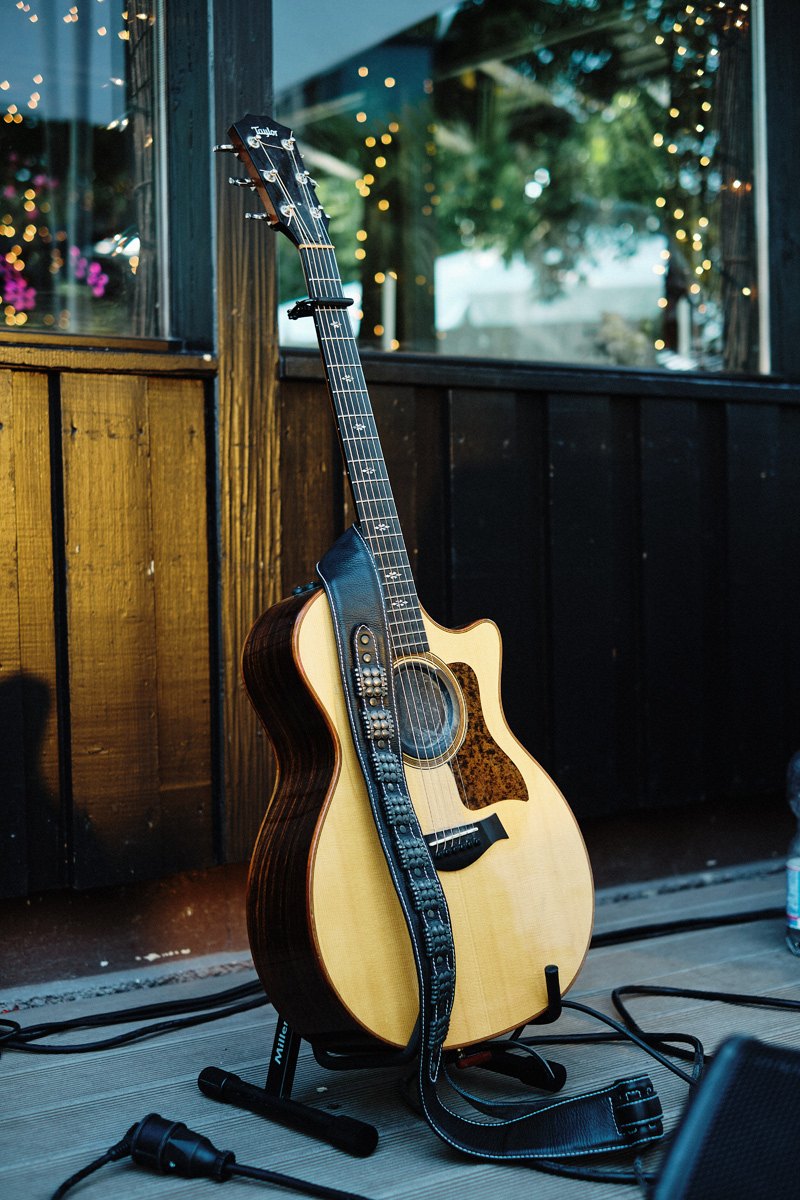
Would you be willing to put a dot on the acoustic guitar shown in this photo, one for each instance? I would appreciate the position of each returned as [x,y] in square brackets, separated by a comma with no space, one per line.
[325,924]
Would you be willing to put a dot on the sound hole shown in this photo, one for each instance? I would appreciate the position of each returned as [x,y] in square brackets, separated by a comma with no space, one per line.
[430,711]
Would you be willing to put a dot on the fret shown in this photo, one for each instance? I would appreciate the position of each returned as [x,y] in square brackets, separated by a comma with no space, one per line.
[362,462]
[362,437]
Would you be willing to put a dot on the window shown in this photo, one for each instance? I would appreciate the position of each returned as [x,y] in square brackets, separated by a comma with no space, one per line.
[560,180]
[78,167]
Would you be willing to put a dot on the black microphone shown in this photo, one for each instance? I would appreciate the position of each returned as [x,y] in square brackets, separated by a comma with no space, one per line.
[345,1133]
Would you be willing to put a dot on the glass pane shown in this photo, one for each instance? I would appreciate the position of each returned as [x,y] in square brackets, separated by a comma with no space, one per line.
[561,180]
[78,167]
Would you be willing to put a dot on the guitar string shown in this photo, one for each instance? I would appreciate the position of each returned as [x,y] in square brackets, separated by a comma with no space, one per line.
[326,320]
[353,403]
[434,714]
[328,273]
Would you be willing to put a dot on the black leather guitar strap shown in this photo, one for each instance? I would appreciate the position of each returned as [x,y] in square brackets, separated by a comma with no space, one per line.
[628,1112]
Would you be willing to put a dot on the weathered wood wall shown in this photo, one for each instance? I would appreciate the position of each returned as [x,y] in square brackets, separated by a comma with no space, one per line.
[106,622]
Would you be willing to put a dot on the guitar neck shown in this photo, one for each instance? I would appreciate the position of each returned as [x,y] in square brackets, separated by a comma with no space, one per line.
[361,450]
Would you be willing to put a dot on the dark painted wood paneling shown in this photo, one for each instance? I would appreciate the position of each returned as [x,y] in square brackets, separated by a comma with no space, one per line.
[756,606]
[189,198]
[781,41]
[592,634]
[789,522]
[432,502]
[672,601]
[497,532]
[310,482]
[395,417]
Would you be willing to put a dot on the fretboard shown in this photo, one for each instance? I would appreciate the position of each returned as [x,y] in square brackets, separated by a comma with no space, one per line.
[361,449]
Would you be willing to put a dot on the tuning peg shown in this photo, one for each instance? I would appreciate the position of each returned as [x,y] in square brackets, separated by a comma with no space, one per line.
[256,216]
[226,147]
[241,182]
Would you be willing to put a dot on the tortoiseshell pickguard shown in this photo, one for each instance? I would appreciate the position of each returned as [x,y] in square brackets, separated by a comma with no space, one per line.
[484,771]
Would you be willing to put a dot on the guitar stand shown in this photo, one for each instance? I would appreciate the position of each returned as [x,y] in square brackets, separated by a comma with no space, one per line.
[347,1133]
[274,1099]
[530,1069]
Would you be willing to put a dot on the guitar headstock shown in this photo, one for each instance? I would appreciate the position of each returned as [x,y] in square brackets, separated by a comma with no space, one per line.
[275,166]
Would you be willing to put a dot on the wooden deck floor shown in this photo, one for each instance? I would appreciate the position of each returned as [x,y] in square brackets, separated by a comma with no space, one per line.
[60,1112]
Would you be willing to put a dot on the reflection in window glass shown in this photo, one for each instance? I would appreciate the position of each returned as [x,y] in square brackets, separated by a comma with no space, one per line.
[562,180]
[78,167]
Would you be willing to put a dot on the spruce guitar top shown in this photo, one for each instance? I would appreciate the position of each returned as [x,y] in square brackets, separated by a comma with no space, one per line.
[326,928]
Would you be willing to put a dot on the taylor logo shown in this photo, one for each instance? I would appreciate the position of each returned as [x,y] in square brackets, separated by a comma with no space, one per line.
[267,132]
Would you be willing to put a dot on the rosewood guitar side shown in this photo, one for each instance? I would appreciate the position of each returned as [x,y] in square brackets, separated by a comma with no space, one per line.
[306,749]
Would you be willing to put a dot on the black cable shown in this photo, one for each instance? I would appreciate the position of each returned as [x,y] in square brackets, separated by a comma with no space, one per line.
[170,1148]
[742,998]
[311,1189]
[637,933]
[121,1150]
[648,1042]
[225,1003]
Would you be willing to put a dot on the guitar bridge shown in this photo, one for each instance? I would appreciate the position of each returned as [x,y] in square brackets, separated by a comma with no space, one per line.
[454,849]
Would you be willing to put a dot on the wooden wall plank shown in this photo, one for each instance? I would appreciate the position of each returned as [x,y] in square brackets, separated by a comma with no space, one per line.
[497,520]
[593,553]
[756,612]
[673,549]
[310,482]
[179,514]
[431,457]
[111,626]
[46,861]
[789,520]
[13,830]
[395,417]
[31,811]
[247,415]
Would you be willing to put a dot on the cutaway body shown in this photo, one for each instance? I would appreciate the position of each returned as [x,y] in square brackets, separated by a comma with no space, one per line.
[326,927]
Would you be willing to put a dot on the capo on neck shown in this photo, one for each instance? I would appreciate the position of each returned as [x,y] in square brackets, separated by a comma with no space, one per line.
[305,308]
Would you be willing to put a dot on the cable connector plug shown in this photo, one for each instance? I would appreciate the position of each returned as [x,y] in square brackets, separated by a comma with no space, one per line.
[173,1149]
